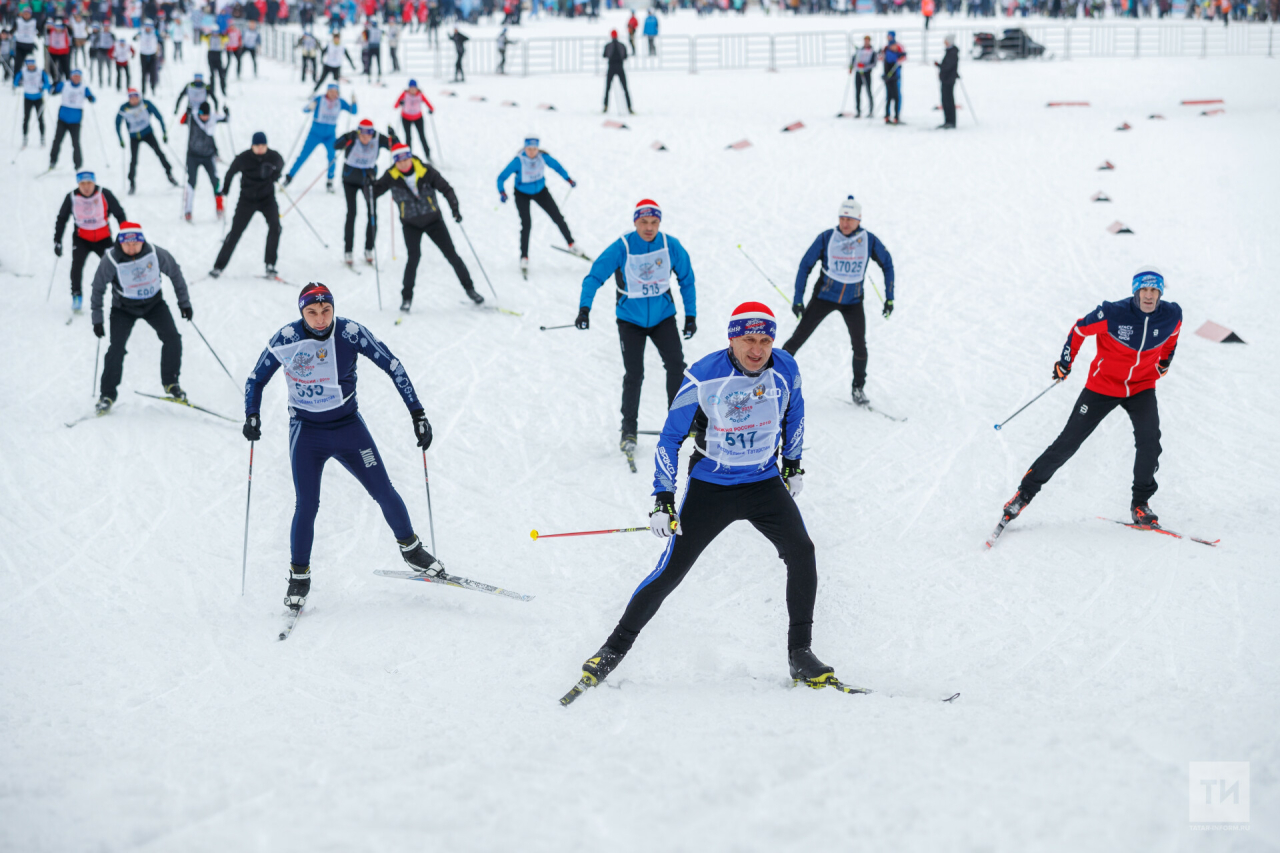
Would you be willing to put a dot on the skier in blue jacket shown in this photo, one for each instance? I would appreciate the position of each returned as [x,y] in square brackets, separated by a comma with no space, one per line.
[74,91]
[318,354]
[529,169]
[34,83]
[135,114]
[744,408]
[325,110]
[641,264]
[845,252]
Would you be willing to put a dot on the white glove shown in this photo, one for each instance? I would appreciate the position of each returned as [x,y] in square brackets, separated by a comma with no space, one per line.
[664,521]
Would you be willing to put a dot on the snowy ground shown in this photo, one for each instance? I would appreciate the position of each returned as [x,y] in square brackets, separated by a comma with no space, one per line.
[146,705]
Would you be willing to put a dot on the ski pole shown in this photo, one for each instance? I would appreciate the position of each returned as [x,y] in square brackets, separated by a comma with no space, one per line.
[763,273]
[431,520]
[845,97]
[551,328]
[52,275]
[391,209]
[248,496]
[1033,399]
[876,289]
[968,103]
[96,352]
[101,144]
[648,432]
[303,193]
[432,116]
[373,217]
[535,535]
[215,355]
[566,197]
[296,140]
[477,257]
[304,218]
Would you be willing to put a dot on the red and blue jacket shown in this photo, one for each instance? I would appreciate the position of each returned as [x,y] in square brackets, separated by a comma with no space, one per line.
[1134,349]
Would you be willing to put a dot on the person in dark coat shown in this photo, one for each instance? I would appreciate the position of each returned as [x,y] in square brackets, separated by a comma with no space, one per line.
[459,46]
[948,74]
[616,52]
[259,167]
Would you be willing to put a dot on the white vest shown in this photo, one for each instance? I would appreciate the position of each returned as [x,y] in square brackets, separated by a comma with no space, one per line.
[311,371]
[333,56]
[328,111]
[121,53]
[32,81]
[147,43]
[532,170]
[744,418]
[361,155]
[78,29]
[136,119]
[847,257]
[25,31]
[647,275]
[89,213]
[73,95]
[139,277]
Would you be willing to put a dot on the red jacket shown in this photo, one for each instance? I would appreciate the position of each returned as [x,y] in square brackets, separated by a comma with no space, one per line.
[1132,346]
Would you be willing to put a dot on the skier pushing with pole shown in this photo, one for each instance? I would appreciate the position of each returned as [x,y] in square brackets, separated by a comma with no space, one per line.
[529,168]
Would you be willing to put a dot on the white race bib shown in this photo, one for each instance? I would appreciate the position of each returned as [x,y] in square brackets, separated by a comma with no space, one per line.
[647,275]
[73,96]
[25,31]
[311,371]
[137,119]
[147,43]
[361,155]
[139,278]
[744,417]
[531,170]
[89,213]
[847,257]
[32,82]
[327,112]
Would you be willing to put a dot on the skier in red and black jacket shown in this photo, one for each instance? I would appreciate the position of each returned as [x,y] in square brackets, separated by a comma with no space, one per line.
[1136,338]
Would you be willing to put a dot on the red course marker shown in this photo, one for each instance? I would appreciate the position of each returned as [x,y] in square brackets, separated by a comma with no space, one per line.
[1202,102]
[739,145]
[617,125]
[795,125]
[1068,103]
[1212,112]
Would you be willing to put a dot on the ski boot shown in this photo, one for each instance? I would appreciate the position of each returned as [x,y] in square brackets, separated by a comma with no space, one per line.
[368,256]
[215,272]
[860,396]
[420,559]
[1142,515]
[628,444]
[524,267]
[186,216]
[1015,506]
[573,248]
[806,669]
[348,258]
[103,406]
[132,188]
[599,665]
[42,139]
[77,302]
[171,178]
[299,586]
[271,270]
[328,186]
[474,297]
[222,213]
[405,305]
[175,392]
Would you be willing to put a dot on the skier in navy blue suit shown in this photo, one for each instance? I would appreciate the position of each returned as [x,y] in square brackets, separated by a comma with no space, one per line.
[318,354]
[641,264]
[744,407]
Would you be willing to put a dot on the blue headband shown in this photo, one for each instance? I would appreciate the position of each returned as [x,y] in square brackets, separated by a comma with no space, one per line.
[531,141]
[1148,278]
[84,176]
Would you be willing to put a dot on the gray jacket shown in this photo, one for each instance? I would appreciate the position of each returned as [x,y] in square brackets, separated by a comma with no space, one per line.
[107,273]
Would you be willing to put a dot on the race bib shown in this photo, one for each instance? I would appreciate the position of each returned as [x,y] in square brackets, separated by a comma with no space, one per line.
[531,170]
[311,371]
[847,257]
[647,275]
[89,213]
[744,418]
[140,277]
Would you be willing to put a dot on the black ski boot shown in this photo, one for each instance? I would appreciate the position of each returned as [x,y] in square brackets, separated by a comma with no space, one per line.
[1015,506]
[299,586]
[103,405]
[1143,516]
[419,558]
[859,396]
[599,665]
[806,669]
[474,297]
[175,392]
[405,305]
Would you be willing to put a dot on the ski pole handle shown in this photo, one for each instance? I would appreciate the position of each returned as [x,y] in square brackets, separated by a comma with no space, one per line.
[550,328]
[1033,399]
[535,535]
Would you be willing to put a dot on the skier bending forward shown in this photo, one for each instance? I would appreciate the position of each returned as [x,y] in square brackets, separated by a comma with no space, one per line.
[318,354]
[744,406]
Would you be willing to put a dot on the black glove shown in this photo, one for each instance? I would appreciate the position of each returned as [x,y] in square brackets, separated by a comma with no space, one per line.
[888,309]
[583,321]
[121,143]
[798,310]
[57,248]
[1162,366]
[457,216]
[1061,370]
[421,428]
[166,138]
[99,331]
[186,312]
[252,428]
[690,327]
[226,112]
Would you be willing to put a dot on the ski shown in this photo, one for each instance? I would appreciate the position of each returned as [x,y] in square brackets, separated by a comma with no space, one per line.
[577,254]
[82,419]
[1156,528]
[874,410]
[187,404]
[631,460]
[352,268]
[453,580]
[290,620]
[830,680]
[498,308]
[995,534]
[274,277]
[578,690]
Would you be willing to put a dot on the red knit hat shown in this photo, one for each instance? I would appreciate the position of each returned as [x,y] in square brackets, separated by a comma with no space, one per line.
[646,207]
[365,124]
[752,318]
[400,148]
[130,232]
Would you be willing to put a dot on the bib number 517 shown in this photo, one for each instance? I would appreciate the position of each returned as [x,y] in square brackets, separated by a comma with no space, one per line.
[743,440]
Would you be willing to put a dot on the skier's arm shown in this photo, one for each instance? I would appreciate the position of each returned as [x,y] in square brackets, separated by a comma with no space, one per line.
[183,119]
[106,272]
[342,141]
[182,94]
[811,257]
[60,224]
[119,121]
[351,108]
[1167,351]
[383,184]
[231,173]
[151,108]
[170,267]
[277,163]
[442,186]
[555,164]
[261,374]
[399,100]
[793,421]
[349,62]
[89,96]
[881,256]
[430,109]
[513,168]
[666,459]
[57,87]
[376,351]
[1089,324]
[683,268]
[114,208]
[609,261]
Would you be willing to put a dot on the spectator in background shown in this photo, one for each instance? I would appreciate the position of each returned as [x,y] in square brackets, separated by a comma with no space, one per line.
[948,73]
[616,53]
[651,32]
[632,26]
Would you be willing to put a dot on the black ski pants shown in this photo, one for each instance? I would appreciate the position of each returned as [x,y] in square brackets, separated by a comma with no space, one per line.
[308,62]
[326,72]
[706,510]
[893,94]
[547,203]
[149,139]
[122,70]
[608,84]
[409,124]
[395,60]
[72,130]
[29,107]
[860,79]
[349,230]
[439,235]
[80,249]
[159,318]
[58,66]
[149,73]
[855,320]
[949,102]
[194,163]
[245,209]
[1090,408]
[217,71]
[666,337]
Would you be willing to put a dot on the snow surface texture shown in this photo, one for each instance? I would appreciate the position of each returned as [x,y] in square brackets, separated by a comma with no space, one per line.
[146,705]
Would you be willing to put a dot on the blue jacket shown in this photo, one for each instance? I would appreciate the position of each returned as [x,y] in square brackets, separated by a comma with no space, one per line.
[319,128]
[350,340]
[72,115]
[686,413]
[646,311]
[651,25]
[838,291]
[45,85]
[513,168]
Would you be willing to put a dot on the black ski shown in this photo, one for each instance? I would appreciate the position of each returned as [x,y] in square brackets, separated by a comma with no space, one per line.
[290,620]
[1156,528]
[578,254]
[871,408]
[189,405]
[484,306]
[274,277]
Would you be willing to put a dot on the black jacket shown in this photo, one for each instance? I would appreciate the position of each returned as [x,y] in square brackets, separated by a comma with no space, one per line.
[615,51]
[350,174]
[459,42]
[419,209]
[260,173]
[949,70]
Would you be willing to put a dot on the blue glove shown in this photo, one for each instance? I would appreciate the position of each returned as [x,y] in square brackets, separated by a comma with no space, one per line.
[572,182]
[502,196]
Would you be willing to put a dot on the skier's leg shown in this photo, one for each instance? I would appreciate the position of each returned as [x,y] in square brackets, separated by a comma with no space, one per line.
[160,318]
[813,315]
[58,133]
[133,159]
[666,338]
[422,134]
[439,235]
[150,139]
[622,78]
[309,449]
[526,221]
[329,152]
[120,324]
[855,319]
[271,212]
[632,340]
[370,231]
[413,246]
[1090,408]
[548,203]
[349,227]
[308,145]
[239,221]
[1145,416]
[359,455]
[73,130]
[772,511]
[79,254]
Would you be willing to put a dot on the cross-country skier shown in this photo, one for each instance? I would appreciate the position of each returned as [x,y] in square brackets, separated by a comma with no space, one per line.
[318,355]
[26,30]
[105,43]
[893,56]
[148,54]
[529,168]
[88,205]
[1136,339]
[616,53]
[360,149]
[745,408]
[861,64]
[250,39]
[235,42]
[393,44]
[641,264]
[34,83]
[217,60]
[332,61]
[845,253]
[259,167]
[309,45]
[460,47]
[74,92]
[121,54]
[57,46]
[411,102]
[132,268]
[136,114]
[413,185]
[325,110]
[202,152]
[196,94]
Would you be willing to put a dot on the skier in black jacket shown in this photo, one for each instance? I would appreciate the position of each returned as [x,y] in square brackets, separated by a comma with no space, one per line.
[202,150]
[88,205]
[360,149]
[413,185]
[460,45]
[948,73]
[616,52]
[260,166]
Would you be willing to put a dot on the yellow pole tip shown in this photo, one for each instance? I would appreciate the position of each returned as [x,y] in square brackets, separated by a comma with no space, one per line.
[533,534]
